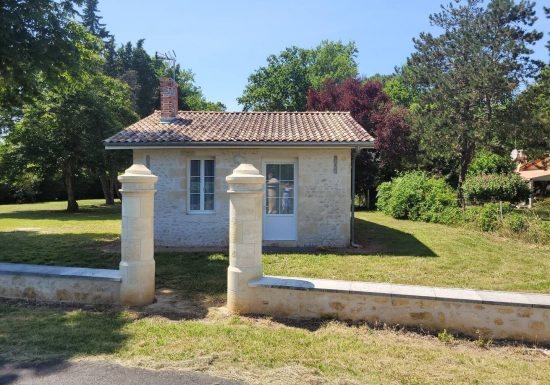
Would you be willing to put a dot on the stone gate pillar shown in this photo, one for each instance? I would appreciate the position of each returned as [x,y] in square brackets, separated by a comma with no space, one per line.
[137,265]
[245,235]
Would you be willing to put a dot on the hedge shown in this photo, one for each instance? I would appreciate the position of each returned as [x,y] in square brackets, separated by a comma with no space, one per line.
[495,187]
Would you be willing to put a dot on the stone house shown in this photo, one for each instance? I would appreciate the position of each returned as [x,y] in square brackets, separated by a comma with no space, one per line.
[306,157]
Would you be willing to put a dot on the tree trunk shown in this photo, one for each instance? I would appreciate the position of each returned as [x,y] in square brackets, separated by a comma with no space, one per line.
[106,187]
[70,186]
[115,184]
[461,177]
[466,156]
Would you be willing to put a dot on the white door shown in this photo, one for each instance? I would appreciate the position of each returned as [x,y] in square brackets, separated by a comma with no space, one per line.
[280,201]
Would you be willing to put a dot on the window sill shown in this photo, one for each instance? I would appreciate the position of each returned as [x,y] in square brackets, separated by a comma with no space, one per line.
[210,212]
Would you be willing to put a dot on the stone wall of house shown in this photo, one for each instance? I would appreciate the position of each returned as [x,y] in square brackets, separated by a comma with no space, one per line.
[324,189]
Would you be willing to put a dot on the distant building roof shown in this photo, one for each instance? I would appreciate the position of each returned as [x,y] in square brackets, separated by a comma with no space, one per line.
[538,169]
[537,164]
[194,128]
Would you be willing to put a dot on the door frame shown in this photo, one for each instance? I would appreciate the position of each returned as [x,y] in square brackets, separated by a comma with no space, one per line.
[293,161]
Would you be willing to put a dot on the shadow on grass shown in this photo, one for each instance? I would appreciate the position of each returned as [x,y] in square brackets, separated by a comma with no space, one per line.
[372,238]
[378,239]
[53,335]
[86,213]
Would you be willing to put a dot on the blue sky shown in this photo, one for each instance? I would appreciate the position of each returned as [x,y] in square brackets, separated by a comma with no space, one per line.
[223,42]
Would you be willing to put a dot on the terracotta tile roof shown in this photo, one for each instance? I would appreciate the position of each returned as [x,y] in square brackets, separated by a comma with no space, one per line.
[537,164]
[234,128]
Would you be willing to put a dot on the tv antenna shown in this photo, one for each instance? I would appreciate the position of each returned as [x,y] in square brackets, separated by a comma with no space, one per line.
[169,57]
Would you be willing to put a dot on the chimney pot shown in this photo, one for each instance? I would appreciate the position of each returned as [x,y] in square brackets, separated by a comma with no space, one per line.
[168,99]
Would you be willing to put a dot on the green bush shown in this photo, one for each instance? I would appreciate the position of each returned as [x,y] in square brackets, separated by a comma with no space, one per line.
[419,197]
[495,187]
[486,162]
[516,222]
[489,217]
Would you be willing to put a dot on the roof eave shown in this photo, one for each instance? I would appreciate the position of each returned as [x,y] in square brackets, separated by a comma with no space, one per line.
[160,145]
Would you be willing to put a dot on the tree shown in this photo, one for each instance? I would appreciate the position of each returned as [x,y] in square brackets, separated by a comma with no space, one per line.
[283,84]
[92,21]
[486,162]
[530,117]
[373,110]
[400,92]
[63,128]
[468,74]
[40,41]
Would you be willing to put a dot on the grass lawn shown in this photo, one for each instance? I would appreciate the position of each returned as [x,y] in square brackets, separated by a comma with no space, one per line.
[393,250]
[407,252]
[263,350]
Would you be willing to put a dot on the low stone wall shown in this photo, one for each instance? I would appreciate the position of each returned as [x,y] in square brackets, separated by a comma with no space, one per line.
[133,284]
[60,284]
[497,315]
[490,314]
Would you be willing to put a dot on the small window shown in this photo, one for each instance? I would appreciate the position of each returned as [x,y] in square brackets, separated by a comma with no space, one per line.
[201,185]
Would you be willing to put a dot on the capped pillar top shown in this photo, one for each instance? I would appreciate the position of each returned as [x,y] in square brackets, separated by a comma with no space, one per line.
[246,174]
[137,173]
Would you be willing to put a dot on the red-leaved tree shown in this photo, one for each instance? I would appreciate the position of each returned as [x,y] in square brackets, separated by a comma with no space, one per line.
[372,109]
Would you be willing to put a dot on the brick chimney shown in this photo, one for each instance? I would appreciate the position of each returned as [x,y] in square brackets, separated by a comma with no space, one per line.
[168,99]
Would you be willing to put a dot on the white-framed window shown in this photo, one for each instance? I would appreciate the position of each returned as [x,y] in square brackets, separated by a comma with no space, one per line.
[200,186]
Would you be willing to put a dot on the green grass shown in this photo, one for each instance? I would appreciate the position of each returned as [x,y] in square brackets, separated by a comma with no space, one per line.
[393,250]
[408,252]
[262,350]
[43,233]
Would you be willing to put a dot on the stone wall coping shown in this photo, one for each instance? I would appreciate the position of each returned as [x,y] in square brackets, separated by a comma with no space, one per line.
[60,271]
[483,297]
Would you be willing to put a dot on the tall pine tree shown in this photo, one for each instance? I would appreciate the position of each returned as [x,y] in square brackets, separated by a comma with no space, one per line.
[92,21]
[468,74]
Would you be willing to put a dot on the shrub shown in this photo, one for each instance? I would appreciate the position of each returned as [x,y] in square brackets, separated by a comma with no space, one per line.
[418,196]
[471,214]
[516,222]
[495,187]
[488,217]
[491,215]
[538,231]
[486,162]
